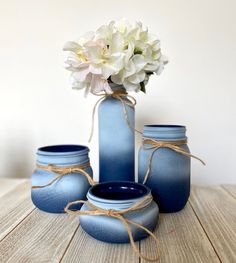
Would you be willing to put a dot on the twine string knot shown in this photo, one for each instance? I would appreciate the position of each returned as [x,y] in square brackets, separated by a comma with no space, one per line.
[155,145]
[62,171]
[123,97]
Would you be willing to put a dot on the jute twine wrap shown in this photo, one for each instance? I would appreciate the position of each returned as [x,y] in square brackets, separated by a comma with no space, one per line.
[119,214]
[62,171]
[121,96]
[155,145]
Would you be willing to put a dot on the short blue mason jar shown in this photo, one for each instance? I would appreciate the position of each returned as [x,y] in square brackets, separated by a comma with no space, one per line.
[116,138]
[119,196]
[70,187]
[169,175]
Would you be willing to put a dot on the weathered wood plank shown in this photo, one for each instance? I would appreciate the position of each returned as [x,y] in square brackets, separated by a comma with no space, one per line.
[84,249]
[182,239]
[216,209]
[7,184]
[14,207]
[41,237]
[231,189]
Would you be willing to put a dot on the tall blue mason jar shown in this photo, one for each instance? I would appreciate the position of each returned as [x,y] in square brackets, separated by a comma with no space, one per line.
[116,139]
[169,176]
[68,188]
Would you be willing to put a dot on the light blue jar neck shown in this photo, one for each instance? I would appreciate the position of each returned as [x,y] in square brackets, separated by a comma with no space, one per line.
[63,155]
[165,132]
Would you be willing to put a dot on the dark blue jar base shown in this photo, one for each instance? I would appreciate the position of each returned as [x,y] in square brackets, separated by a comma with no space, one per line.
[168,206]
[56,209]
[172,196]
[44,201]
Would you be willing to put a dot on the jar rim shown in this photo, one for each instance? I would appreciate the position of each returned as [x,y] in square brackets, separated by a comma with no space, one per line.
[165,131]
[61,149]
[118,192]
[164,126]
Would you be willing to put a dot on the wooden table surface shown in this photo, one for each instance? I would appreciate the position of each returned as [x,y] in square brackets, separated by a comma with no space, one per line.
[205,231]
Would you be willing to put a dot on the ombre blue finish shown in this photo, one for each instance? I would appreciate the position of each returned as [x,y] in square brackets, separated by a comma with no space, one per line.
[169,176]
[116,141]
[119,196]
[70,187]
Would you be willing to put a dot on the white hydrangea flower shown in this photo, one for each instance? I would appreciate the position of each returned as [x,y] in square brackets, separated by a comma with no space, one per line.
[120,52]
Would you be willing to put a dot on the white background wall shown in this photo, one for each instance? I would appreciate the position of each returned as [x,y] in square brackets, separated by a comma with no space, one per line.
[197,88]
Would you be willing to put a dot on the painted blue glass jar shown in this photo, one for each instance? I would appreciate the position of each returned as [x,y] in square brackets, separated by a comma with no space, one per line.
[169,175]
[70,187]
[116,138]
[119,196]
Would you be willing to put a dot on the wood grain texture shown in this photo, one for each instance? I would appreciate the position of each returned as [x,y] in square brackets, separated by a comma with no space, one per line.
[205,231]
[216,210]
[182,239]
[230,189]
[41,237]
[7,185]
[14,207]
[85,249]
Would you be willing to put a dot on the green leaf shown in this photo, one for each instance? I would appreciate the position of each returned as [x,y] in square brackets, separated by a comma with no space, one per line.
[142,87]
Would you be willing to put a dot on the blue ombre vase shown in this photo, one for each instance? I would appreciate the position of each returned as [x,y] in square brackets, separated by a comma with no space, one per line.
[119,196]
[169,177]
[116,140]
[70,187]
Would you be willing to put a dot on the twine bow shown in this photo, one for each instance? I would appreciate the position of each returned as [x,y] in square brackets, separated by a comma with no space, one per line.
[172,145]
[119,214]
[121,96]
[62,171]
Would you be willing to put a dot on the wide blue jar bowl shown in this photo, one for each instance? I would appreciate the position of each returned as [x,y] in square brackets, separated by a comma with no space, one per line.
[118,196]
[68,188]
[169,176]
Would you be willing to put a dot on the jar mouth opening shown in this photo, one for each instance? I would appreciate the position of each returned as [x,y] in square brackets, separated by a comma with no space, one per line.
[164,126]
[119,191]
[63,148]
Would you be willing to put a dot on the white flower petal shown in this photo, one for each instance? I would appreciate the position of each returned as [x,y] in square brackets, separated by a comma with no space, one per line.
[107,88]
[164,59]
[130,51]
[117,44]
[137,78]
[108,70]
[87,37]
[98,84]
[73,60]
[130,69]
[118,78]
[139,62]
[94,54]
[81,74]
[72,46]
[104,32]
[146,80]
[95,69]
[131,86]
[152,67]
[117,61]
